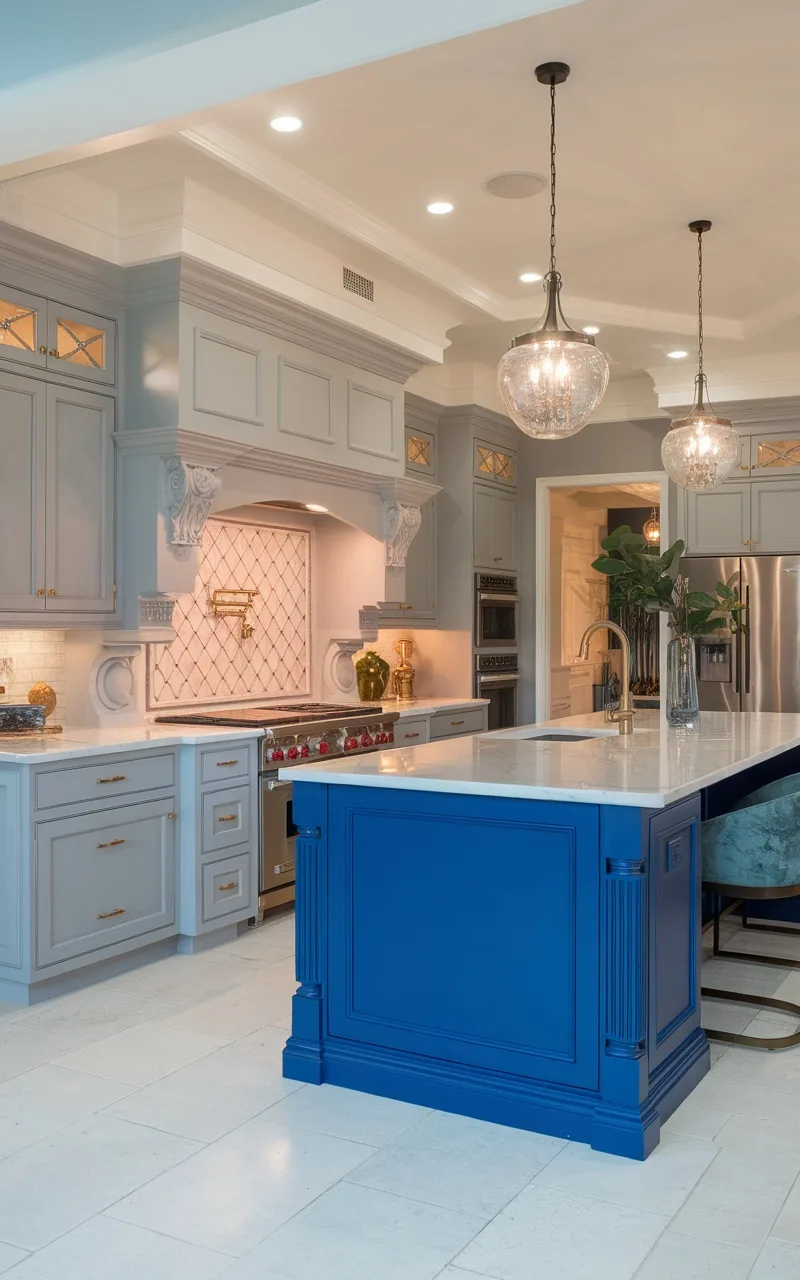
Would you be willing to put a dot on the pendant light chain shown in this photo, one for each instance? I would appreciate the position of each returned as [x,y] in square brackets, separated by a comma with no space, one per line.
[700,303]
[552,174]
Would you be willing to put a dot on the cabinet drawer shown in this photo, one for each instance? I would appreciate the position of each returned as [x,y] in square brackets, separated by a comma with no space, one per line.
[105,778]
[103,878]
[410,733]
[230,762]
[452,724]
[226,818]
[227,886]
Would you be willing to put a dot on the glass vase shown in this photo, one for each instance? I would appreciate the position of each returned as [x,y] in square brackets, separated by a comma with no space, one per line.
[682,699]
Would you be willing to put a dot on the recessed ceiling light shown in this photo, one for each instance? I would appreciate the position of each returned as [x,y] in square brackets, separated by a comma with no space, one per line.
[677,355]
[530,277]
[286,124]
[591,329]
[314,506]
[440,206]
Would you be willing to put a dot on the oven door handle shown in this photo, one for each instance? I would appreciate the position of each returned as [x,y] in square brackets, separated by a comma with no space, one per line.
[508,678]
[274,784]
[489,597]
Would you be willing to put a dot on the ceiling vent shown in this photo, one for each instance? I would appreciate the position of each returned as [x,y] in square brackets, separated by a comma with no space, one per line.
[354,283]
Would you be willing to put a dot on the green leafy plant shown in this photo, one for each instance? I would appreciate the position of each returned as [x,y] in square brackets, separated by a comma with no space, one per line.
[644,579]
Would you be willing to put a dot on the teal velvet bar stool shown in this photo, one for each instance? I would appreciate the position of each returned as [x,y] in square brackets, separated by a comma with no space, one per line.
[751,853]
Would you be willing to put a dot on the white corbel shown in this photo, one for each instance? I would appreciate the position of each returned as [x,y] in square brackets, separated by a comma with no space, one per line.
[191,490]
[401,522]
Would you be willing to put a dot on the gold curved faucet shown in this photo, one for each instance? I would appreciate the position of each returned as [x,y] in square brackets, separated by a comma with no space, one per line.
[623,717]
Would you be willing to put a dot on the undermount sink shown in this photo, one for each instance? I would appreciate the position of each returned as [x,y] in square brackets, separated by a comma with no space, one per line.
[566,735]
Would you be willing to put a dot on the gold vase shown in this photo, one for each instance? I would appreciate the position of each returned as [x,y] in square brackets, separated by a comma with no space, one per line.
[404,672]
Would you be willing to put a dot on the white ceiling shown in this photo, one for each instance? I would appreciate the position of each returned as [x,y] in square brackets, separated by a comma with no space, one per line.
[675,110]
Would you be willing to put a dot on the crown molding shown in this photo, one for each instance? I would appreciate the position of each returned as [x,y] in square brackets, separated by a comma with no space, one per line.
[327,205]
[57,267]
[421,412]
[474,417]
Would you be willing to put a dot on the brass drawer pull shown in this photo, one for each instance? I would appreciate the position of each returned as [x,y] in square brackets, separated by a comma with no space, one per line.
[226,764]
[106,915]
[455,723]
[223,888]
[118,777]
[110,844]
[410,735]
[228,817]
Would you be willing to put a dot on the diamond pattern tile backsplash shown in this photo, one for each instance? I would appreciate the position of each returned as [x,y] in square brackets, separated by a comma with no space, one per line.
[208,661]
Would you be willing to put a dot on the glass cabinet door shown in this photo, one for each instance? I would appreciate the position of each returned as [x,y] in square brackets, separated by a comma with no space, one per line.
[22,327]
[81,344]
[775,453]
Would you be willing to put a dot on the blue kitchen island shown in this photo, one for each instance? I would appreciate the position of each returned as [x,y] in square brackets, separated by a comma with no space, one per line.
[509,927]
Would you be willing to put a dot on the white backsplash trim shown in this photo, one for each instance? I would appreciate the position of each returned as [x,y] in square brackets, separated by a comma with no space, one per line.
[208,662]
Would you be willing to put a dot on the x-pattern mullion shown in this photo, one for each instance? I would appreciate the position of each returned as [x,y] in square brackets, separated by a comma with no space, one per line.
[80,344]
[7,326]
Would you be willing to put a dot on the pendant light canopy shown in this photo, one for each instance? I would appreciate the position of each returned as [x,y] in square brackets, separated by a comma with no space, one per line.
[652,528]
[553,378]
[700,450]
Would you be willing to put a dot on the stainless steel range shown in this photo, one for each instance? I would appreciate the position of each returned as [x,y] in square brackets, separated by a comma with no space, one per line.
[293,734]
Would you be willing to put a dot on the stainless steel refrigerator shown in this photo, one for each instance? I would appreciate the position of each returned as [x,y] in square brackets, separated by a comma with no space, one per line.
[760,669]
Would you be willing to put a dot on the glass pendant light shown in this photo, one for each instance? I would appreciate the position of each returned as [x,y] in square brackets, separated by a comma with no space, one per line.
[553,378]
[652,528]
[700,450]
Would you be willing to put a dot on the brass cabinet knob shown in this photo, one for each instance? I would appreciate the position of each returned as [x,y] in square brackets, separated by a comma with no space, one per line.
[497,559]
[43,351]
[55,353]
[40,592]
[172,816]
[52,591]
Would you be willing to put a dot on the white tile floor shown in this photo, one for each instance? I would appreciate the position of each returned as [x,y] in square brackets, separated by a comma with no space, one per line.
[146,1133]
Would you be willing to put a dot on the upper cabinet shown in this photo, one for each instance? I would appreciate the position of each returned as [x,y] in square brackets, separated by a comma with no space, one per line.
[420,453]
[757,511]
[51,335]
[494,528]
[57,516]
[494,464]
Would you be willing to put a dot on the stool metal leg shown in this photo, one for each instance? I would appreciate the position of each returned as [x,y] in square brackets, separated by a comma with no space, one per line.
[767,1002]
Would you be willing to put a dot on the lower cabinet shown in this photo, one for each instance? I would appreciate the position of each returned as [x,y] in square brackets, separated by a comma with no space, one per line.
[227,886]
[103,878]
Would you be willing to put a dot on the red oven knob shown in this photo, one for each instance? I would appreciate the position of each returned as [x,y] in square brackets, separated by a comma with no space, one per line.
[390,736]
[304,751]
[382,738]
[292,753]
[277,754]
[324,748]
[350,744]
[366,740]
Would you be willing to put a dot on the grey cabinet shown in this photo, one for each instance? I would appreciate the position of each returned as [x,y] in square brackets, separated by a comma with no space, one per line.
[57,514]
[773,453]
[79,554]
[103,878]
[494,528]
[226,818]
[227,887]
[775,517]
[81,344]
[421,569]
[47,334]
[743,516]
[718,522]
[23,412]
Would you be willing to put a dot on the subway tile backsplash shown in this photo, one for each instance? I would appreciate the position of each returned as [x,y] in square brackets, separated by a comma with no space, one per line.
[36,655]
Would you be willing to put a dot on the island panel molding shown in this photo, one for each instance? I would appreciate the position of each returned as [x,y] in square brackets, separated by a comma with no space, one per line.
[191,490]
[572,1011]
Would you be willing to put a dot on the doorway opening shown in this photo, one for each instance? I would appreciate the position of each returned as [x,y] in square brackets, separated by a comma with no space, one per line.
[574,514]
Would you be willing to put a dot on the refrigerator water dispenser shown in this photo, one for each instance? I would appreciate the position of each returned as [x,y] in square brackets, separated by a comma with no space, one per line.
[715,660]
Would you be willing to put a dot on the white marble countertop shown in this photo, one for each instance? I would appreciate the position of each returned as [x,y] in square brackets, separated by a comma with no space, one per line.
[71,743]
[429,706]
[652,768]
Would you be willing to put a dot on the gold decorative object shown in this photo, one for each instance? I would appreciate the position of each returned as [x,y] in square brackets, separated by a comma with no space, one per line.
[233,602]
[404,672]
[372,675]
[42,695]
